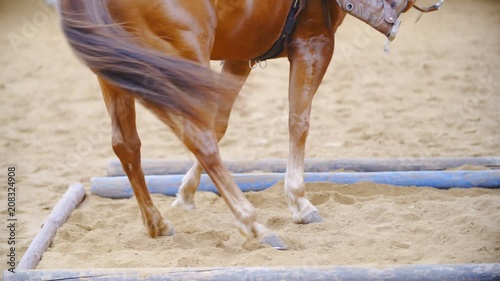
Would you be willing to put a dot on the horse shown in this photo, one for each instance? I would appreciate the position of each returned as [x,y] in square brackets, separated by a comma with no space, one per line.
[158,52]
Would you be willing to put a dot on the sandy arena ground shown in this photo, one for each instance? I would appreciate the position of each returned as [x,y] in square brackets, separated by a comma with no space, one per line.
[435,94]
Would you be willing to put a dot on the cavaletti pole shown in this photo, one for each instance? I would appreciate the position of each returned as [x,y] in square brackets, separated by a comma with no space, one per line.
[73,196]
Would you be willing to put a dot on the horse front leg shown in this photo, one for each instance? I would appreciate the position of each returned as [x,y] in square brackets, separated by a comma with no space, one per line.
[240,71]
[309,59]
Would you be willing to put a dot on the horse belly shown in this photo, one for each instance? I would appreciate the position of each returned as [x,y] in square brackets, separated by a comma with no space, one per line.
[247,28]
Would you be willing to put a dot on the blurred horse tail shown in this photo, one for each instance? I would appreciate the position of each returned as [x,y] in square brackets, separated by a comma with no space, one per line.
[169,83]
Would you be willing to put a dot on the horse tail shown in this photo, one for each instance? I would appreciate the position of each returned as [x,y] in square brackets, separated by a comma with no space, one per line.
[159,80]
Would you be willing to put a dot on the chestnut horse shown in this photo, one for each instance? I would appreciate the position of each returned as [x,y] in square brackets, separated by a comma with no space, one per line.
[158,52]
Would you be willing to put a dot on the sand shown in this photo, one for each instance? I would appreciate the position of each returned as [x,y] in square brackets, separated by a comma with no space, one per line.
[435,94]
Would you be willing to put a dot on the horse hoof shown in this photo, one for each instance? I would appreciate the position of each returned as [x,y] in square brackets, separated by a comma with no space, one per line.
[312,217]
[180,203]
[274,241]
[167,229]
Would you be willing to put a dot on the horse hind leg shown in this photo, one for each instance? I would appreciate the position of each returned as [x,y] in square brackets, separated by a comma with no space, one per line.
[202,142]
[198,134]
[240,70]
[190,182]
[126,145]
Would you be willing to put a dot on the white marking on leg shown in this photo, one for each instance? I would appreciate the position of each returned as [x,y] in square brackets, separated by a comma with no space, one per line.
[294,182]
[295,193]
[190,182]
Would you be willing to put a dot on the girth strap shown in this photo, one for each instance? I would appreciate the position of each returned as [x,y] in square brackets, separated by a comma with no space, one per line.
[279,45]
[327,14]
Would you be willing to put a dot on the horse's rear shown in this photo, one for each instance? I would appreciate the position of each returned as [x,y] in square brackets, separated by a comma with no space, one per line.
[159,51]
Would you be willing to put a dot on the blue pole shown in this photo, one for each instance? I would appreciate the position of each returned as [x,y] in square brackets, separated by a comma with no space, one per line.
[119,187]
